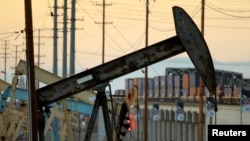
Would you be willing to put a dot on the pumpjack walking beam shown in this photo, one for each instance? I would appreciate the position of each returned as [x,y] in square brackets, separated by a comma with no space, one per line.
[188,39]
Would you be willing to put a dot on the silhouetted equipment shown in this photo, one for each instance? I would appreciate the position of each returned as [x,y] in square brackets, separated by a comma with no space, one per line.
[188,39]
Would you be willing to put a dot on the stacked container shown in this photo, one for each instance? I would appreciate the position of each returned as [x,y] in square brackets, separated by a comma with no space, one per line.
[163,86]
[140,83]
[170,85]
[185,84]
[228,91]
[129,82]
[194,83]
[120,92]
[177,85]
[157,85]
[150,87]
[237,92]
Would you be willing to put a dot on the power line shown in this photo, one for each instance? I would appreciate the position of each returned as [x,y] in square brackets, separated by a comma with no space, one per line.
[224,13]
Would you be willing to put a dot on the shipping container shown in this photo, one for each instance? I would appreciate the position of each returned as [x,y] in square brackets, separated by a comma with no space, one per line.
[185,81]
[228,91]
[162,88]
[194,79]
[170,92]
[150,92]
[163,80]
[177,81]
[150,87]
[185,91]
[193,91]
[198,91]
[139,82]
[237,92]
[150,83]
[163,92]
[120,92]
[129,82]
[141,91]
[170,80]
[177,92]
[156,86]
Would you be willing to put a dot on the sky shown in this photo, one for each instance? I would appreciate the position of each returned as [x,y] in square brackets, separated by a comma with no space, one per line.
[226,32]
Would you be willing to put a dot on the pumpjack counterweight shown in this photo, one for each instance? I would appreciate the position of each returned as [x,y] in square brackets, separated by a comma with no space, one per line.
[188,39]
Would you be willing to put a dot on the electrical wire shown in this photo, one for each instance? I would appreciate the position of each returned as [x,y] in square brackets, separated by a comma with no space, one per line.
[224,13]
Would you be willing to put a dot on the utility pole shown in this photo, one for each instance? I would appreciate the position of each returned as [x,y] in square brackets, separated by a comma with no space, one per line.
[146,79]
[64,56]
[72,40]
[103,49]
[103,31]
[202,89]
[39,49]
[103,28]
[38,55]
[32,100]
[55,37]
[16,56]
[6,44]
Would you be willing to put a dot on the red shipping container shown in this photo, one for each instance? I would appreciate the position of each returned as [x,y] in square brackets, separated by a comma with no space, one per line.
[237,92]
[192,91]
[185,81]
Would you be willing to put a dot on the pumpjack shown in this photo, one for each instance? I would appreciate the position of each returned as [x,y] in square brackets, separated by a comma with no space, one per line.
[188,39]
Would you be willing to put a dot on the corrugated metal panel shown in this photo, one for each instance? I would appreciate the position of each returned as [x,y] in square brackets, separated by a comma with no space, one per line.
[139,82]
[192,91]
[185,81]
[194,79]
[150,92]
[237,92]
[177,81]
[129,82]
[119,92]
[150,83]
[185,91]
[198,91]
[163,80]
[163,92]
[228,91]
[156,86]
[219,89]
[140,91]
[177,92]
[170,92]
[162,88]
[170,81]
[150,87]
